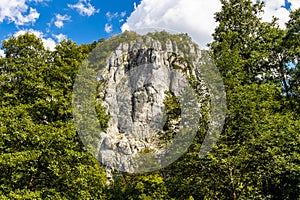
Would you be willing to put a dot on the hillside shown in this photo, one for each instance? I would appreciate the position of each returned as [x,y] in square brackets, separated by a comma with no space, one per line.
[153,116]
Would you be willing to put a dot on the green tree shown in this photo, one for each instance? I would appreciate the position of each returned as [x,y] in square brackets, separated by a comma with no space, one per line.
[245,49]
[252,59]
[291,47]
[142,186]
[256,157]
[42,156]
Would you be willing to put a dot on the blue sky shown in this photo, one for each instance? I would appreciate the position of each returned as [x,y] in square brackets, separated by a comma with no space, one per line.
[85,21]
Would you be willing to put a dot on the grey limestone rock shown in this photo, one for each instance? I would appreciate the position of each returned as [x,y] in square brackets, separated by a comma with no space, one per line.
[133,90]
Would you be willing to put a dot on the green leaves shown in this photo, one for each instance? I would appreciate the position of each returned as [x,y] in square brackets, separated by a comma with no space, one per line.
[146,186]
[253,159]
[41,155]
[257,155]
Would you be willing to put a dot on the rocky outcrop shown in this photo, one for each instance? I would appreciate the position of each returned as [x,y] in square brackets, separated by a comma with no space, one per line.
[133,90]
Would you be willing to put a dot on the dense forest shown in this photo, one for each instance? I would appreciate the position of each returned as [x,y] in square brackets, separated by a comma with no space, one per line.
[256,157]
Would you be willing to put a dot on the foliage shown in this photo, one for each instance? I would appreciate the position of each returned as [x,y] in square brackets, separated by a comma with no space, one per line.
[144,187]
[41,154]
[256,157]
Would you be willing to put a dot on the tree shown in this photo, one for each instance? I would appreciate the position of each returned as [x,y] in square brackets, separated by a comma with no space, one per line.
[256,157]
[291,46]
[253,61]
[243,46]
[42,156]
[142,186]
[25,58]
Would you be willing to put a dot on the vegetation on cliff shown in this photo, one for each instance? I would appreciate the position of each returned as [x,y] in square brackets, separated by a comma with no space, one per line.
[256,157]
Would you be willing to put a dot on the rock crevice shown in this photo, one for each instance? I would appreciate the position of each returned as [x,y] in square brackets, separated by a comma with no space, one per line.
[133,90]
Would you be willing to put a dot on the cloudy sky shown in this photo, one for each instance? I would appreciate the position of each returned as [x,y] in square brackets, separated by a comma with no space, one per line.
[85,21]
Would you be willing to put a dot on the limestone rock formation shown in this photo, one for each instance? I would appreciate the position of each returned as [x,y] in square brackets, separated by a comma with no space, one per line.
[134,84]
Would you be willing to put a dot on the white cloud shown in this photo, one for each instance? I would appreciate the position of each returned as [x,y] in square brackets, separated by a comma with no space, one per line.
[49,43]
[30,18]
[194,17]
[84,7]
[2,54]
[276,8]
[60,37]
[18,12]
[111,16]
[38,1]
[295,4]
[134,5]
[108,28]
[123,14]
[60,19]
[22,32]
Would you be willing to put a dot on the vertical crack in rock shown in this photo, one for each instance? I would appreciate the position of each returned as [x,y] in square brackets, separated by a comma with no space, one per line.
[137,76]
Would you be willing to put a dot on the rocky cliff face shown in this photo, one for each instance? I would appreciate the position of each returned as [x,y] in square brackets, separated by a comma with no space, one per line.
[135,84]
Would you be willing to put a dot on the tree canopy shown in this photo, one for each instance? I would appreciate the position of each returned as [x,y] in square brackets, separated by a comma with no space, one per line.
[257,155]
